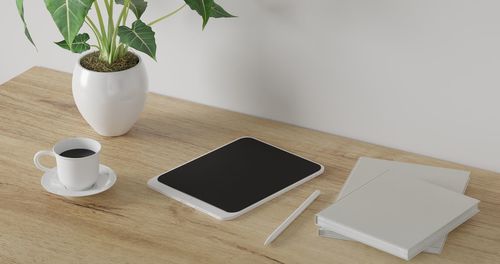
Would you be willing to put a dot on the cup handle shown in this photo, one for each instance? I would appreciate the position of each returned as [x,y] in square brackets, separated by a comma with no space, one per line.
[37,157]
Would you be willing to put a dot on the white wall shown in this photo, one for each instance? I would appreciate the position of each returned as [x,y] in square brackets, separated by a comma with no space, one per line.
[418,75]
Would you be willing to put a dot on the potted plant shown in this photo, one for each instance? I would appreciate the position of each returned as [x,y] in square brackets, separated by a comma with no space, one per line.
[110,83]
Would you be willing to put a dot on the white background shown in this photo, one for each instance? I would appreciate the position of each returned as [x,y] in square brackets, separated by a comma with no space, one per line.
[418,75]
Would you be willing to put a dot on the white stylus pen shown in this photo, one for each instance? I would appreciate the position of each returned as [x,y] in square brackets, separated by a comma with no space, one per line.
[292,217]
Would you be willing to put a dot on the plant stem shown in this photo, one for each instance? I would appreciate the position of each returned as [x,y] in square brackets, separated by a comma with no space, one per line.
[166,16]
[113,55]
[101,21]
[106,3]
[92,26]
[111,25]
[111,32]
[122,50]
[124,21]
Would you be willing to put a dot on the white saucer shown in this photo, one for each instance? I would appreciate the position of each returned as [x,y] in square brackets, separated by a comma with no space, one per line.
[106,179]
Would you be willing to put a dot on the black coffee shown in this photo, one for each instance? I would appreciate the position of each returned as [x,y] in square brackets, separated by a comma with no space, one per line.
[77,153]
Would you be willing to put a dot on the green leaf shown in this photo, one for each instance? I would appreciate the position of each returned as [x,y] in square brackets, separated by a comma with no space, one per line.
[140,37]
[20,9]
[137,6]
[69,16]
[79,43]
[203,7]
[217,11]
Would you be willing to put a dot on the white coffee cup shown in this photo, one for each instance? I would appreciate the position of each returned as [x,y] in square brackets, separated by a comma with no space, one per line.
[75,173]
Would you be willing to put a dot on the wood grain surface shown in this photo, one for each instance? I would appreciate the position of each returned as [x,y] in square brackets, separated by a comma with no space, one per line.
[131,223]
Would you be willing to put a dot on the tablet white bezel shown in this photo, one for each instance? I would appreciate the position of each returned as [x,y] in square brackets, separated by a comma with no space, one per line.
[211,210]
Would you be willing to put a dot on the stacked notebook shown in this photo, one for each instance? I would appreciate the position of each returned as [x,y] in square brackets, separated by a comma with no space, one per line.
[400,208]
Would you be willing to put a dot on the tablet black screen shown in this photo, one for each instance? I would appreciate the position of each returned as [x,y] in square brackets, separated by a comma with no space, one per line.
[239,174]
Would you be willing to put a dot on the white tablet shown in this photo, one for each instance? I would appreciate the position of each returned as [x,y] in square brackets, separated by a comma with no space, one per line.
[235,178]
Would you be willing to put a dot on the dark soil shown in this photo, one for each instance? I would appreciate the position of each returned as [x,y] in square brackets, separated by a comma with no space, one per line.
[92,62]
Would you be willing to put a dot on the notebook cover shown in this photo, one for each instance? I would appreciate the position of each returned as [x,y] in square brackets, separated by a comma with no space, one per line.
[368,168]
[391,213]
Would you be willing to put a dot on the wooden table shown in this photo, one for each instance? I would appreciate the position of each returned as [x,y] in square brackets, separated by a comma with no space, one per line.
[130,223]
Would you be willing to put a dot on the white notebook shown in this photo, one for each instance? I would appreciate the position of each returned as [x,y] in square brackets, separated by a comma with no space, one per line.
[399,215]
[368,168]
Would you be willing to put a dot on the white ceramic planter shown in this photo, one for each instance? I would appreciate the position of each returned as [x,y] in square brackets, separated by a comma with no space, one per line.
[110,102]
